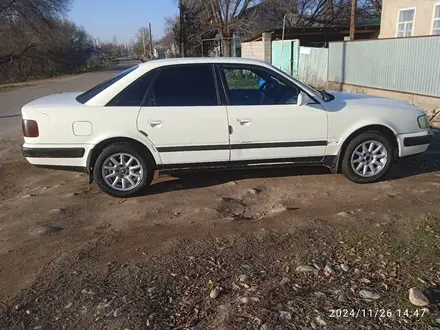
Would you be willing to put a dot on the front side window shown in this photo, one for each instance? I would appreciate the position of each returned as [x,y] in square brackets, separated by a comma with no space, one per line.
[91,93]
[405,24]
[185,85]
[436,24]
[255,86]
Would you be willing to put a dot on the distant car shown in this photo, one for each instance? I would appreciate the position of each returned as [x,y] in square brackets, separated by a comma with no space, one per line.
[214,113]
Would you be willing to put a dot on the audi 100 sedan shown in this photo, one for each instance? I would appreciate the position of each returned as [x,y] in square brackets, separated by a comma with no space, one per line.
[215,113]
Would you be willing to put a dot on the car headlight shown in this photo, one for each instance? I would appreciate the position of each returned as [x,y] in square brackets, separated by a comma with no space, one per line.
[423,122]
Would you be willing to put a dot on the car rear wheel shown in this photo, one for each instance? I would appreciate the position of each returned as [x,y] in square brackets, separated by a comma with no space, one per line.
[368,157]
[122,170]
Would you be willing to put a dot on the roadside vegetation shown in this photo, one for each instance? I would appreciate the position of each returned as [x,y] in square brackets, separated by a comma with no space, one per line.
[38,42]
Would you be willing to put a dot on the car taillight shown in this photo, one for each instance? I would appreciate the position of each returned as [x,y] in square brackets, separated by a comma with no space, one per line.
[30,128]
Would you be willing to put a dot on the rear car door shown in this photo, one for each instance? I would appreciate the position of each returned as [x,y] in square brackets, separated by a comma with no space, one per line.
[183,116]
[267,123]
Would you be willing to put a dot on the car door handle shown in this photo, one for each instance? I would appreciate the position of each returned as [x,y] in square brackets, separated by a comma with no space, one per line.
[244,121]
[154,123]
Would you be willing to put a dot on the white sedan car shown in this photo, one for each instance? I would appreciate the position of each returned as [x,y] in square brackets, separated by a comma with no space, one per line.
[200,113]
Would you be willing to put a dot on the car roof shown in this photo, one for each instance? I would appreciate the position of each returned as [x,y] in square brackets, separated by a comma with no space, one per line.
[107,94]
[199,60]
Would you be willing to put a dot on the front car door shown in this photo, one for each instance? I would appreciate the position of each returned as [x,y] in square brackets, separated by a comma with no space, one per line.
[267,124]
[183,116]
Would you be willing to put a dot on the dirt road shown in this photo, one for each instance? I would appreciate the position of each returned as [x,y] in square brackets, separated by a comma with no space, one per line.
[213,250]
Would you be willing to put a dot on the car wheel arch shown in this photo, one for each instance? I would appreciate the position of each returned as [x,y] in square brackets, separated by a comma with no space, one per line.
[94,153]
[386,130]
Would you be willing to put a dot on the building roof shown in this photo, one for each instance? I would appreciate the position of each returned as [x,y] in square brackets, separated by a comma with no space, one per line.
[370,26]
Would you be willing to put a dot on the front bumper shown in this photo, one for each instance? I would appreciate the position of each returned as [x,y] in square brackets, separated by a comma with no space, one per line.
[417,141]
[414,143]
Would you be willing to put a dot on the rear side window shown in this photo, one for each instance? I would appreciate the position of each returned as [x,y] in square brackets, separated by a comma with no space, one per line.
[91,93]
[186,85]
[133,95]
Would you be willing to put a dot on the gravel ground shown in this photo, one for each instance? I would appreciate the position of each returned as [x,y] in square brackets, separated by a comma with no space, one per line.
[263,249]
[306,279]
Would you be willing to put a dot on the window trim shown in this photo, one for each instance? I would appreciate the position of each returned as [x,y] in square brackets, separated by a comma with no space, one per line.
[148,100]
[144,98]
[413,22]
[434,19]
[223,97]
[269,71]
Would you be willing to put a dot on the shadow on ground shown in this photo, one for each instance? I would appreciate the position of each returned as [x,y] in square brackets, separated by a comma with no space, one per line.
[10,116]
[412,166]
[201,179]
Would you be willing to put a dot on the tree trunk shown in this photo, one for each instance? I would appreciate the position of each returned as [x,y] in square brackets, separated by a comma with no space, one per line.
[226,44]
[226,48]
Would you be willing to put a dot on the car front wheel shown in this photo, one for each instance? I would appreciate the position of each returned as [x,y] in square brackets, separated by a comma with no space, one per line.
[368,157]
[121,170]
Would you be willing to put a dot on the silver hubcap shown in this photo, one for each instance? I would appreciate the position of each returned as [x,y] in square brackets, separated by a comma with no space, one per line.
[122,172]
[369,158]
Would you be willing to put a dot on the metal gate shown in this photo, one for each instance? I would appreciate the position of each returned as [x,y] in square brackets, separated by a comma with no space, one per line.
[285,56]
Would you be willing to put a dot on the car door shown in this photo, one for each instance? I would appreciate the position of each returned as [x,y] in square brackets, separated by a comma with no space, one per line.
[183,116]
[266,122]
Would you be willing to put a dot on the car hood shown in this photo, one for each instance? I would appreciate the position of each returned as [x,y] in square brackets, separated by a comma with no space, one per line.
[353,100]
[54,100]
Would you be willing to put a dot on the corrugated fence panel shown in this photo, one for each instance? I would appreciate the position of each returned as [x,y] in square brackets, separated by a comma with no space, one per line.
[313,64]
[409,65]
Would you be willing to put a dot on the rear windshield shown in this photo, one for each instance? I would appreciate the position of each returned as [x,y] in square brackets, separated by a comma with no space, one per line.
[91,93]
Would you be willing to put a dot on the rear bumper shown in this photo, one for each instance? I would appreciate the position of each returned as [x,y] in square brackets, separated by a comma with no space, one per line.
[64,168]
[414,143]
[57,156]
[53,152]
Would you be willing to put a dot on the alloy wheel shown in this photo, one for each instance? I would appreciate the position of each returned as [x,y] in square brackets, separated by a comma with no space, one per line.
[122,171]
[369,158]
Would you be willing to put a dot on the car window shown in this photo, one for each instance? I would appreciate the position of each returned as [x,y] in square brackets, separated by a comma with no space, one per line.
[91,93]
[185,85]
[242,79]
[255,86]
[134,94]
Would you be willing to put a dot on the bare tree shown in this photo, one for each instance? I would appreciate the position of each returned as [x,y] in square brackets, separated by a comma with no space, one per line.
[316,13]
[208,18]
[226,17]
[142,44]
[216,17]
[170,40]
[372,8]
[36,41]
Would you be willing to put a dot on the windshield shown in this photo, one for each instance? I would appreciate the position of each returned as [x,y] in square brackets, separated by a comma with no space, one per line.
[91,93]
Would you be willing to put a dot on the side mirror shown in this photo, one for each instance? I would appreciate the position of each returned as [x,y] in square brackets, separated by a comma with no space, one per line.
[304,99]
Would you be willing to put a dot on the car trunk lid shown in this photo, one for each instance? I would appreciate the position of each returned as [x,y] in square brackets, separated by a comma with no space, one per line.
[54,100]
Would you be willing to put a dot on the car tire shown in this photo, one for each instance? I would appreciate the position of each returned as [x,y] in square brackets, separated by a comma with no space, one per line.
[128,165]
[368,157]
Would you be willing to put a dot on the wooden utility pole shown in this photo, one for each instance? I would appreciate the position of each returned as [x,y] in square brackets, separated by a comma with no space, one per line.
[181,43]
[143,40]
[353,19]
[151,41]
